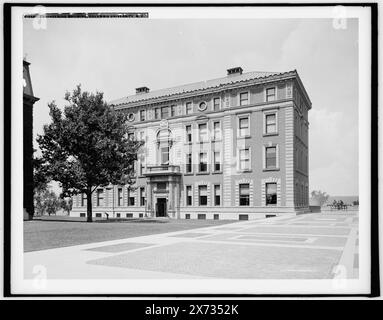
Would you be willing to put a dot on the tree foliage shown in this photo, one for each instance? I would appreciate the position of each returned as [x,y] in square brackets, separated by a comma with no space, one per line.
[86,146]
[46,201]
[320,197]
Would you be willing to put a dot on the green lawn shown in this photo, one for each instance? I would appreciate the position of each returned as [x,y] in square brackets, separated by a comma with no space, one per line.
[62,231]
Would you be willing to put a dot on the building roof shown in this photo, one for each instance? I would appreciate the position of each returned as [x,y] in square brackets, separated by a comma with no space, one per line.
[197,86]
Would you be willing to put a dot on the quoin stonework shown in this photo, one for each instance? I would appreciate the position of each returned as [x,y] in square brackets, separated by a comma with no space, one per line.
[229,148]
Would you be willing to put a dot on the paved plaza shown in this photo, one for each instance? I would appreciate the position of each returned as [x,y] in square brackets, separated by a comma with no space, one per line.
[288,247]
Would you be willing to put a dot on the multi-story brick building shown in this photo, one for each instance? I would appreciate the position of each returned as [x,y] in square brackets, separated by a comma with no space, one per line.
[229,148]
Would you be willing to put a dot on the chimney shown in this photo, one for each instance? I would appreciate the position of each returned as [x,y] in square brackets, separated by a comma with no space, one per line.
[142,90]
[234,71]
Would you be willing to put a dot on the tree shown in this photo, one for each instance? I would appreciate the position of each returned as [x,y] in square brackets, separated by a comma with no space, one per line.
[66,204]
[46,202]
[86,146]
[319,197]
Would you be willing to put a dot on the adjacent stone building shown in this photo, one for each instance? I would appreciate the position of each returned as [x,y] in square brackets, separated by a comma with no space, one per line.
[229,148]
[28,101]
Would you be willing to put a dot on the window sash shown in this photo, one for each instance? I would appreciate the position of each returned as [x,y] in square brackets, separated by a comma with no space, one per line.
[203,162]
[243,98]
[142,115]
[188,108]
[202,130]
[270,94]
[157,113]
[271,157]
[217,160]
[188,134]
[271,193]
[217,130]
[244,127]
[173,111]
[189,162]
[164,112]
[217,195]
[244,159]
[189,197]
[244,194]
[217,103]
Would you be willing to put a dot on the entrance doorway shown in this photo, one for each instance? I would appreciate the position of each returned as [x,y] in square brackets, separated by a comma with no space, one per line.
[161,207]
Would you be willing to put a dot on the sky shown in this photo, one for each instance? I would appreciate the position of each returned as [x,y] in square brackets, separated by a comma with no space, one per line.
[115,56]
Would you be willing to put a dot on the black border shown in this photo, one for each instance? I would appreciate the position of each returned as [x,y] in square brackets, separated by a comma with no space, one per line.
[375,278]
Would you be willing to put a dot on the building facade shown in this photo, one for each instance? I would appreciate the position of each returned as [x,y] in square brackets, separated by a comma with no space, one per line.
[28,101]
[229,148]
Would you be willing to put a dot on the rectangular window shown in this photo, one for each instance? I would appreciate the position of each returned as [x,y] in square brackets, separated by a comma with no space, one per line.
[189,196]
[157,113]
[142,196]
[131,199]
[243,98]
[119,196]
[202,131]
[165,155]
[203,162]
[271,194]
[118,215]
[188,133]
[173,110]
[271,123]
[142,115]
[188,163]
[217,195]
[270,94]
[244,194]
[83,200]
[244,159]
[217,130]
[100,197]
[202,193]
[217,160]
[216,216]
[189,107]
[217,104]
[244,129]
[271,157]
[164,112]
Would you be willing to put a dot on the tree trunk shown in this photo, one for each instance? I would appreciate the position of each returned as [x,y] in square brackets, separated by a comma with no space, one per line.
[89,205]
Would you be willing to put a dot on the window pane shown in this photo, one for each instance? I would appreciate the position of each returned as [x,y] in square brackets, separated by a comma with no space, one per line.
[217,104]
[244,195]
[164,112]
[188,134]
[203,162]
[271,157]
[244,189]
[244,127]
[270,94]
[188,107]
[202,128]
[217,161]
[271,193]
[244,97]
[165,155]
[217,130]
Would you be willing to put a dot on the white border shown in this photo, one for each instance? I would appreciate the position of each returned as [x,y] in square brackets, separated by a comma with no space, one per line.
[213,286]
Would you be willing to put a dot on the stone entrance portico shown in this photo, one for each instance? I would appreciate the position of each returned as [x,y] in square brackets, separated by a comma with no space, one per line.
[163,191]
